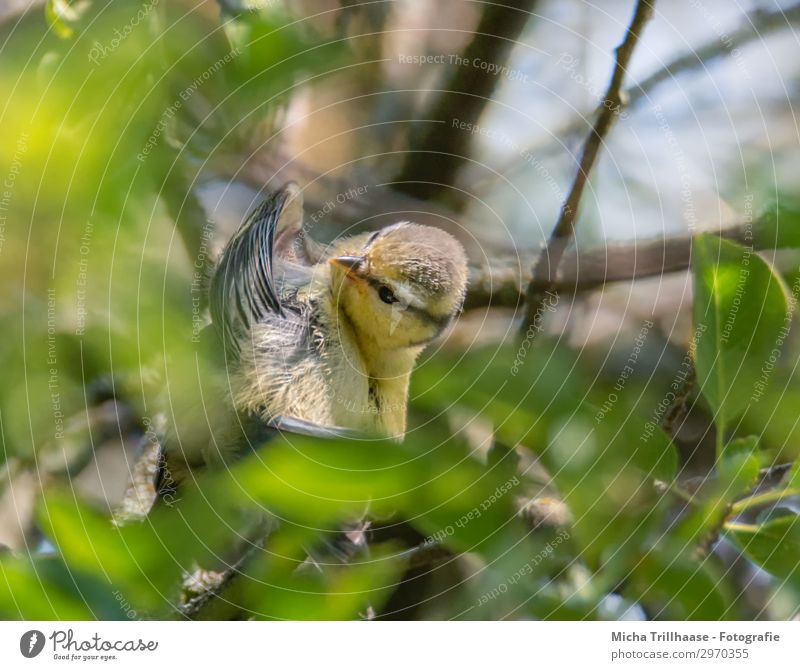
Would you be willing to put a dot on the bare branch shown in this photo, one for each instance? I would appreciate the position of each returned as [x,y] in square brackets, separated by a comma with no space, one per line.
[547,264]
[436,154]
[504,283]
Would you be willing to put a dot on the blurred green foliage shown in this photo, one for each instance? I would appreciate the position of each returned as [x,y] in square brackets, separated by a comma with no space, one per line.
[740,305]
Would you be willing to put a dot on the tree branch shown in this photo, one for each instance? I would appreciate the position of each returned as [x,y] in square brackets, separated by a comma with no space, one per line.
[547,264]
[437,153]
[504,283]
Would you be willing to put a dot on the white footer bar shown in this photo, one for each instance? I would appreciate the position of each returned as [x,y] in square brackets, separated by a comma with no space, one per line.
[398,645]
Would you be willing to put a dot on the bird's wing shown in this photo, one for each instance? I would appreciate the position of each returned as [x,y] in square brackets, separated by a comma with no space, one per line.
[291,244]
[243,290]
[246,289]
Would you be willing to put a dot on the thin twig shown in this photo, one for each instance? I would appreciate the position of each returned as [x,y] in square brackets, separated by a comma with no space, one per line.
[764,498]
[437,152]
[548,262]
[754,26]
[192,608]
[504,282]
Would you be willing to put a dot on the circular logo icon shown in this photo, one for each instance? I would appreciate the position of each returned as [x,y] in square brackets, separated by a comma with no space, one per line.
[31,643]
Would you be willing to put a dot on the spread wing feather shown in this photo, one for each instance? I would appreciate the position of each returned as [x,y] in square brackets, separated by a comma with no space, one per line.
[243,289]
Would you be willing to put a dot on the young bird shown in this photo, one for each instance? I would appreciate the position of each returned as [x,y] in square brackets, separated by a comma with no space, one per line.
[330,338]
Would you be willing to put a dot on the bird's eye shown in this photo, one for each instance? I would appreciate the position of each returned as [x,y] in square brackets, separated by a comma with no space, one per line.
[386,294]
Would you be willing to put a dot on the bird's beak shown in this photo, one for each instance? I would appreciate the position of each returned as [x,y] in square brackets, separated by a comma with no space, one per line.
[352,265]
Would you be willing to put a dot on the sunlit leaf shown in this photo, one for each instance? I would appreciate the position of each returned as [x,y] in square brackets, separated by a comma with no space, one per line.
[27,592]
[739,466]
[740,305]
[63,14]
[675,587]
[775,545]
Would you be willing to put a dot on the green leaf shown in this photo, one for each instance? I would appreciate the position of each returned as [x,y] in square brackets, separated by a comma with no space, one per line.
[779,228]
[775,546]
[739,466]
[677,587]
[143,561]
[26,593]
[604,468]
[737,472]
[740,306]
[336,593]
[432,481]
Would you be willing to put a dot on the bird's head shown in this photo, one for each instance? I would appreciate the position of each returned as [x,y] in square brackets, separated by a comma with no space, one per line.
[400,286]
